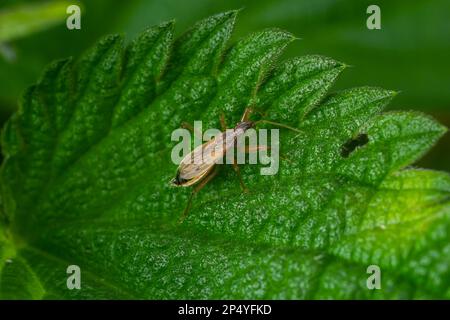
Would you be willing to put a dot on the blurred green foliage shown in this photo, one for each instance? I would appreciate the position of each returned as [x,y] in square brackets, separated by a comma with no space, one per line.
[22,20]
[410,53]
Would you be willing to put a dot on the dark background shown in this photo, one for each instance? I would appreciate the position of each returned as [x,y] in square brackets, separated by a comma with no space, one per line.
[411,52]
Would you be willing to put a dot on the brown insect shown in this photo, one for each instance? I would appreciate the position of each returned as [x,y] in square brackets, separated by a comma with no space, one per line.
[196,168]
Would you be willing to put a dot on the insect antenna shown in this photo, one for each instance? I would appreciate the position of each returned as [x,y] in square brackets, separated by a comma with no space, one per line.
[187,208]
[279,125]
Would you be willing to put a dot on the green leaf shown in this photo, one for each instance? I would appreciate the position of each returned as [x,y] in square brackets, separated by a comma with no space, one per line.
[22,20]
[87,166]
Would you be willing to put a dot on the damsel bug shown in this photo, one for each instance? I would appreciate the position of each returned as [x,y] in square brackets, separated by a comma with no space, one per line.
[195,168]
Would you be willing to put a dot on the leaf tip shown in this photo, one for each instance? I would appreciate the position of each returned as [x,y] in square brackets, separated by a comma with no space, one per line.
[227,15]
[168,24]
[235,12]
[56,66]
[281,35]
[344,65]
[387,94]
[442,129]
[232,14]
[394,93]
[113,41]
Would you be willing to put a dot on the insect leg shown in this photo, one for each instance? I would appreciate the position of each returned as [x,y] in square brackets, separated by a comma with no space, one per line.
[197,133]
[223,123]
[238,173]
[196,189]
[246,114]
[248,111]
